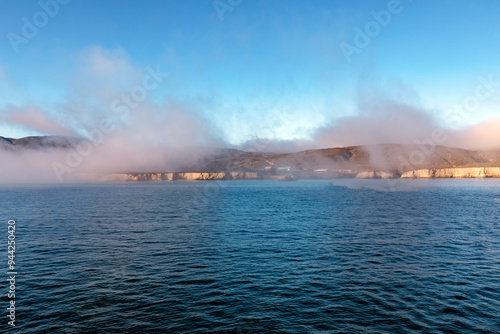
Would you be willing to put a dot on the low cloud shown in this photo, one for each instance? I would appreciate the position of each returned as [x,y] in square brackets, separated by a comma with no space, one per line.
[34,119]
[482,136]
[384,122]
[161,132]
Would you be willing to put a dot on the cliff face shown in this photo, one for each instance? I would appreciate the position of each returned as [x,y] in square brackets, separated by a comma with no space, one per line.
[182,176]
[430,173]
[375,175]
[473,172]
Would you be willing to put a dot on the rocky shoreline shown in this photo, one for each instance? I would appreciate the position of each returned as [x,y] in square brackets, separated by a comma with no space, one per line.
[429,173]
[459,173]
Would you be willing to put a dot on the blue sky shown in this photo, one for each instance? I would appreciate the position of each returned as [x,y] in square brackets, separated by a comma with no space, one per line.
[270,68]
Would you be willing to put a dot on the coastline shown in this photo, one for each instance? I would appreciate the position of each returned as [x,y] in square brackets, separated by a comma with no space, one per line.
[428,173]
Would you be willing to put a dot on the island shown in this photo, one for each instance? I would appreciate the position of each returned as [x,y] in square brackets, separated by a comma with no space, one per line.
[384,161]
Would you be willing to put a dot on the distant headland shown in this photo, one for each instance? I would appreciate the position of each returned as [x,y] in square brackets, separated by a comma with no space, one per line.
[387,161]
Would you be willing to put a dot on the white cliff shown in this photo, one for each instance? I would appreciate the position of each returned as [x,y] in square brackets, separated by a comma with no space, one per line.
[375,175]
[459,172]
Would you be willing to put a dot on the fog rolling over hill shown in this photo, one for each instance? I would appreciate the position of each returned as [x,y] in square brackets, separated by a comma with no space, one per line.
[359,158]
[59,159]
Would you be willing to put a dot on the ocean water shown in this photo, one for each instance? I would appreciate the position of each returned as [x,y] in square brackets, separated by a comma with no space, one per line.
[255,257]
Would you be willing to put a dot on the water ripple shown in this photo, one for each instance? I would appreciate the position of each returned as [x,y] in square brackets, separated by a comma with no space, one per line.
[254,257]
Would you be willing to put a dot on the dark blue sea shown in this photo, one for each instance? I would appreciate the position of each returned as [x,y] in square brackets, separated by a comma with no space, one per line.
[255,257]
